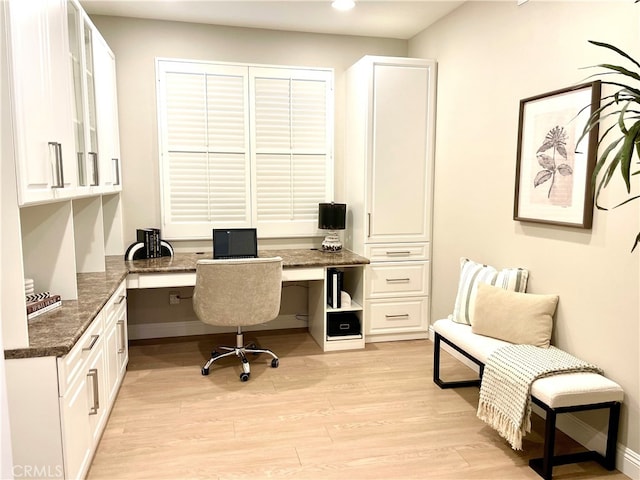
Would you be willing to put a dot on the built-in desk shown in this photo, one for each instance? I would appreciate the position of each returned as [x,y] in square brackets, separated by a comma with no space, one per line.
[299,265]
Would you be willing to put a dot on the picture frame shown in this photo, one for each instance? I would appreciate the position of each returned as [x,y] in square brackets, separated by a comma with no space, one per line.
[555,162]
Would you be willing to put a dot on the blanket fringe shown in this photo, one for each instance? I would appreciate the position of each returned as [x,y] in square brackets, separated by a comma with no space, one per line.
[496,419]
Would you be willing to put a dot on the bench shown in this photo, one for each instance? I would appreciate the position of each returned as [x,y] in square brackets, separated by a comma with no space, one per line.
[567,392]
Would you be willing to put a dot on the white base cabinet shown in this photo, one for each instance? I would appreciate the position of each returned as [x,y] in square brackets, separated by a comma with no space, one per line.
[60,406]
[389,165]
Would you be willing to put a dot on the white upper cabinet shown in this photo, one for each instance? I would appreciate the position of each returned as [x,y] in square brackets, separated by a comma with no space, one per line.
[104,63]
[389,150]
[80,53]
[399,194]
[64,100]
[40,89]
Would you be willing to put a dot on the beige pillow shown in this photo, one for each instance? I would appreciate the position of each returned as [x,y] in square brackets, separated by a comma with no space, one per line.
[521,318]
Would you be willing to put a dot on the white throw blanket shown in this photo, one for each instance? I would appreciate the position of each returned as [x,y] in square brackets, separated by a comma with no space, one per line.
[505,392]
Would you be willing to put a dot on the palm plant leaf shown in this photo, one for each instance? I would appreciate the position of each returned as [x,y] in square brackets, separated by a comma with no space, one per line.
[615,49]
[623,105]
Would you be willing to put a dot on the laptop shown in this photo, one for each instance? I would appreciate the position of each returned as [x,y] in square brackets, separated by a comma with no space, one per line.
[235,243]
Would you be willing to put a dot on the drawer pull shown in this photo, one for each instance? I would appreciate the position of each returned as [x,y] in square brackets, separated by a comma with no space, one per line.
[95,174]
[116,171]
[406,252]
[58,169]
[94,339]
[397,317]
[93,374]
[121,348]
[120,299]
[398,280]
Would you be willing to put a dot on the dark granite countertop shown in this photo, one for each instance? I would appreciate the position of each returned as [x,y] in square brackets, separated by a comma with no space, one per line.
[56,332]
[295,258]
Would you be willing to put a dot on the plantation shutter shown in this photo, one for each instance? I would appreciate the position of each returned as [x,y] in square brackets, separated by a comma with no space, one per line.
[243,146]
[205,148]
[291,148]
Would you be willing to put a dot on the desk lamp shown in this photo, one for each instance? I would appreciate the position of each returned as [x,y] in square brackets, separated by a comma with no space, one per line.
[331,217]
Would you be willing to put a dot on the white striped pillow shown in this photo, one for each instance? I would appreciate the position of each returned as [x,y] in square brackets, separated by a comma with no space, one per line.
[471,274]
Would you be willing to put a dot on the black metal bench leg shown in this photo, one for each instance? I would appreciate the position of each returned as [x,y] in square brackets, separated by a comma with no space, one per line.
[612,437]
[549,445]
[436,359]
[437,343]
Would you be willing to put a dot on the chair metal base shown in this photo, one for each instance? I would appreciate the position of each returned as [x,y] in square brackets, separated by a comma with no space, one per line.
[240,351]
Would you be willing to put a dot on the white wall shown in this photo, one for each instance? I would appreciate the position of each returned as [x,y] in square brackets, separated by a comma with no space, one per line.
[490,55]
[136,44]
[6,457]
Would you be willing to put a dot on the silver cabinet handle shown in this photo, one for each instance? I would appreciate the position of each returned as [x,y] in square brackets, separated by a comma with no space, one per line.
[58,169]
[368,224]
[96,175]
[398,280]
[82,169]
[122,348]
[116,170]
[396,317]
[407,252]
[94,339]
[93,374]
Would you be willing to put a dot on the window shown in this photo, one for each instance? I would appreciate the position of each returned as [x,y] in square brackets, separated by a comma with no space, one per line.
[243,146]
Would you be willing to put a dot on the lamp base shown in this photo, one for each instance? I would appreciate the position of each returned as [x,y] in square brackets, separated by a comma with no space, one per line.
[331,242]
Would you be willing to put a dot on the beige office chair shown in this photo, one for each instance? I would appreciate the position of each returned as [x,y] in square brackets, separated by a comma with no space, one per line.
[237,293]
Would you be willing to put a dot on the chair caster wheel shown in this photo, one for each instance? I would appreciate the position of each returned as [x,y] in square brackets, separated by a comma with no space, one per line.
[274,363]
[205,371]
[244,377]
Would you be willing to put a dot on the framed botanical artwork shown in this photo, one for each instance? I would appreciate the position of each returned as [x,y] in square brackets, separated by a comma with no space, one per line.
[554,161]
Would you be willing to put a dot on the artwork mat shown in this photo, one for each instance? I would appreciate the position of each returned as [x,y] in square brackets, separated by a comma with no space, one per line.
[568,108]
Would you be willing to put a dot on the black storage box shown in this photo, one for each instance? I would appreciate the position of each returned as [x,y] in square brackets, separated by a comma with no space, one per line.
[344,323]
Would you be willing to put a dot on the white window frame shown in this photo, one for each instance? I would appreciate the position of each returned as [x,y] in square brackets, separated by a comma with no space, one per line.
[280,228]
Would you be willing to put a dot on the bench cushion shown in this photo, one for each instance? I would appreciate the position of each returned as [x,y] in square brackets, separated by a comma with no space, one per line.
[563,390]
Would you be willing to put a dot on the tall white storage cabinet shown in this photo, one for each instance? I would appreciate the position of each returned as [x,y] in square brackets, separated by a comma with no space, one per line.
[388,178]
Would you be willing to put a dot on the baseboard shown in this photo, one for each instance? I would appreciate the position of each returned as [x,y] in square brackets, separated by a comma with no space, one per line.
[627,461]
[187,328]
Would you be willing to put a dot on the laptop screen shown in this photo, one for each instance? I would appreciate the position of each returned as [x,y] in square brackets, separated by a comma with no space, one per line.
[235,243]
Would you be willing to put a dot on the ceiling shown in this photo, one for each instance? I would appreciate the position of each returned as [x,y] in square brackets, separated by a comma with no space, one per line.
[371,18]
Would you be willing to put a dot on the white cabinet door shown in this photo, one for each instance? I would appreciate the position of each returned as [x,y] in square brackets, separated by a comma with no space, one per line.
[399,169]
[96,376]
[40,87]
[80,41]
[107,115]
[76,435]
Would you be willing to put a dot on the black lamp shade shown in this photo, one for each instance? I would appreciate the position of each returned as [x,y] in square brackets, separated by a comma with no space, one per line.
[331,216]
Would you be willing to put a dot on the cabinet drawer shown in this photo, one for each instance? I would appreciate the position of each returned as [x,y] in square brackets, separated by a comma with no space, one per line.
[73,364]
[397,315]
[395,252]
[393,279]
[116,304]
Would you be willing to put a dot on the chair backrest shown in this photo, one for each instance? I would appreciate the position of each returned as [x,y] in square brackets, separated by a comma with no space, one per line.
[238,292]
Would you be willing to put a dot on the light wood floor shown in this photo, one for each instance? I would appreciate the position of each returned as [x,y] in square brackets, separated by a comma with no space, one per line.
[367,414]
